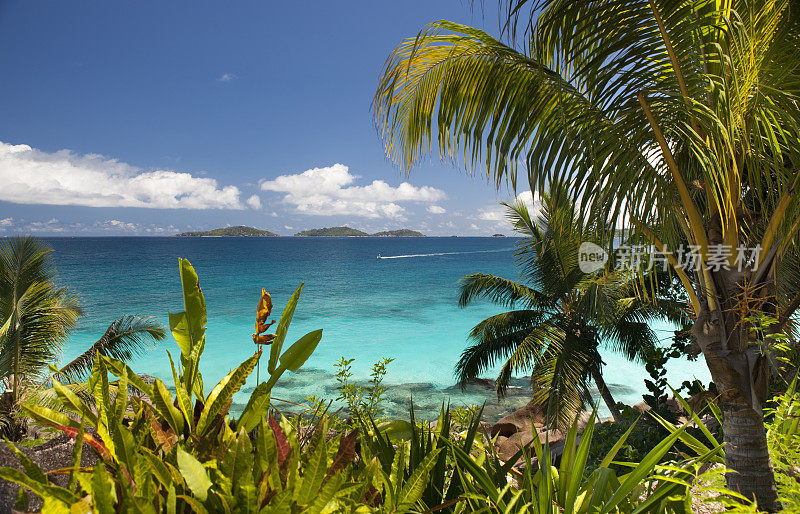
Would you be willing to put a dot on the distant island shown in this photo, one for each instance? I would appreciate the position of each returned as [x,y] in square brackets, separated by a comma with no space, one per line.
[351,232]
[403,232]
[498,235]
[240,231]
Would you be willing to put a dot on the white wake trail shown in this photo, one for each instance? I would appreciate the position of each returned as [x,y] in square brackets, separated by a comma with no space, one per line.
[441,253]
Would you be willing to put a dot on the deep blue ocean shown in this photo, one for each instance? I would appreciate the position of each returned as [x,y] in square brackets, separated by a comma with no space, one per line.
[404,308]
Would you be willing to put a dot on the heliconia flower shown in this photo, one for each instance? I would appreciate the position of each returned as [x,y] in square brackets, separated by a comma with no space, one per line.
[261,328]
[264,307]
[264,338]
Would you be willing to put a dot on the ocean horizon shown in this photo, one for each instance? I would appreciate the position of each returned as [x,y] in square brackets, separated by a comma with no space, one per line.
[402,306]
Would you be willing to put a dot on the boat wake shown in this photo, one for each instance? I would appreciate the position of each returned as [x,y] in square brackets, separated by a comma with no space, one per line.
[440,253]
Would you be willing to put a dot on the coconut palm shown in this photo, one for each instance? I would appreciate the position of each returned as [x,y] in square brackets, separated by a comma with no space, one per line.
[565,316]
[679,116]
[36,317]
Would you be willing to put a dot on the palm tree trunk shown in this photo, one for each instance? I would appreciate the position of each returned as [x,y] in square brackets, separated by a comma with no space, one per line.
[740,373]
[605,393]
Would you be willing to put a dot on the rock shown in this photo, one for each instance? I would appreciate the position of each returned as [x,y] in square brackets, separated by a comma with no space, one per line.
[517,430]
[522,420]
[673,405]
[53,454]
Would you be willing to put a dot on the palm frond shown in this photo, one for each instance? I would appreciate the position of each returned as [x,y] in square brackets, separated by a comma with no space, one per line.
[497,338]
[123,339]
[500,291]
[44,316]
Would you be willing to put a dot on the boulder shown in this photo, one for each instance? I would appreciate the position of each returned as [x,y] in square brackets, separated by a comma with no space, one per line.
[53,454]
[522,420]
[517,430]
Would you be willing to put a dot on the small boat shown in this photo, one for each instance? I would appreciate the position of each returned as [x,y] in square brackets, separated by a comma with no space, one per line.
[379,256]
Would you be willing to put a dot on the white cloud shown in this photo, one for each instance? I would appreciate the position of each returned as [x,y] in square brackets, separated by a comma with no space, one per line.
[30,176]
[254,202]
[329,191]
[227,77]
[56,226]
[498,212]
[435,209]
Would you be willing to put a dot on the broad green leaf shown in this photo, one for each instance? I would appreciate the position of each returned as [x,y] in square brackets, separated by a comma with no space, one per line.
[117,367]
[184,403]
[256,407]
[179,326]
[31,469]
[283,327]
[301,350]
[315,471]
[163,402]
[72,401]
[194,303]
[44,490]
[397,429]
[195,475]
[125,447]
[221,395]
[103,492]
[194,504]
[49,416]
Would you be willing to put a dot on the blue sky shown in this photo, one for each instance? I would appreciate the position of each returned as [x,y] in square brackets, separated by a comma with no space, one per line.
[136,118]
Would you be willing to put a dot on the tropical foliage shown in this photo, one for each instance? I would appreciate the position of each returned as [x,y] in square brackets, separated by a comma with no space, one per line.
[37,316]
[678,117]
[566,316]
[159,452]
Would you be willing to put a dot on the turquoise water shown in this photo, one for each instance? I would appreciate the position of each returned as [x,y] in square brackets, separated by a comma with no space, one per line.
[404,308]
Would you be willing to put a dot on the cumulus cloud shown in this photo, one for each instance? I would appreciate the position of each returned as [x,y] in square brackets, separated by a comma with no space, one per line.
[31,176]
[498,213]
[330,191]
[254,202]
[56,226]
[435,209]
[227,77]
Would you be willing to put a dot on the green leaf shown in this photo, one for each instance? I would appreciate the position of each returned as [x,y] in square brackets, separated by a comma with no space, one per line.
[194,303]
[221,395]
[397,429]
[283,327]
[102,489]
[179,326]
[195,475]
[256,407]
[31,469]
[184,403]
[118,367]
[415,485]
[315,472]
[163,402]
[44,490]
[301,350]
[73,402]
[49,416]
[194,504]
[641,470]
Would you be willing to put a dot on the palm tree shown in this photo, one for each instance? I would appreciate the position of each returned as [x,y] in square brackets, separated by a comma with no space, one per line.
[36,317]
[565,317]
[679,116]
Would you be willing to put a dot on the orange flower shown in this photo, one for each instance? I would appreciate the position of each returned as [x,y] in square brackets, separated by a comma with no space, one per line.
[264,307]
[263,339]
[261,328]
